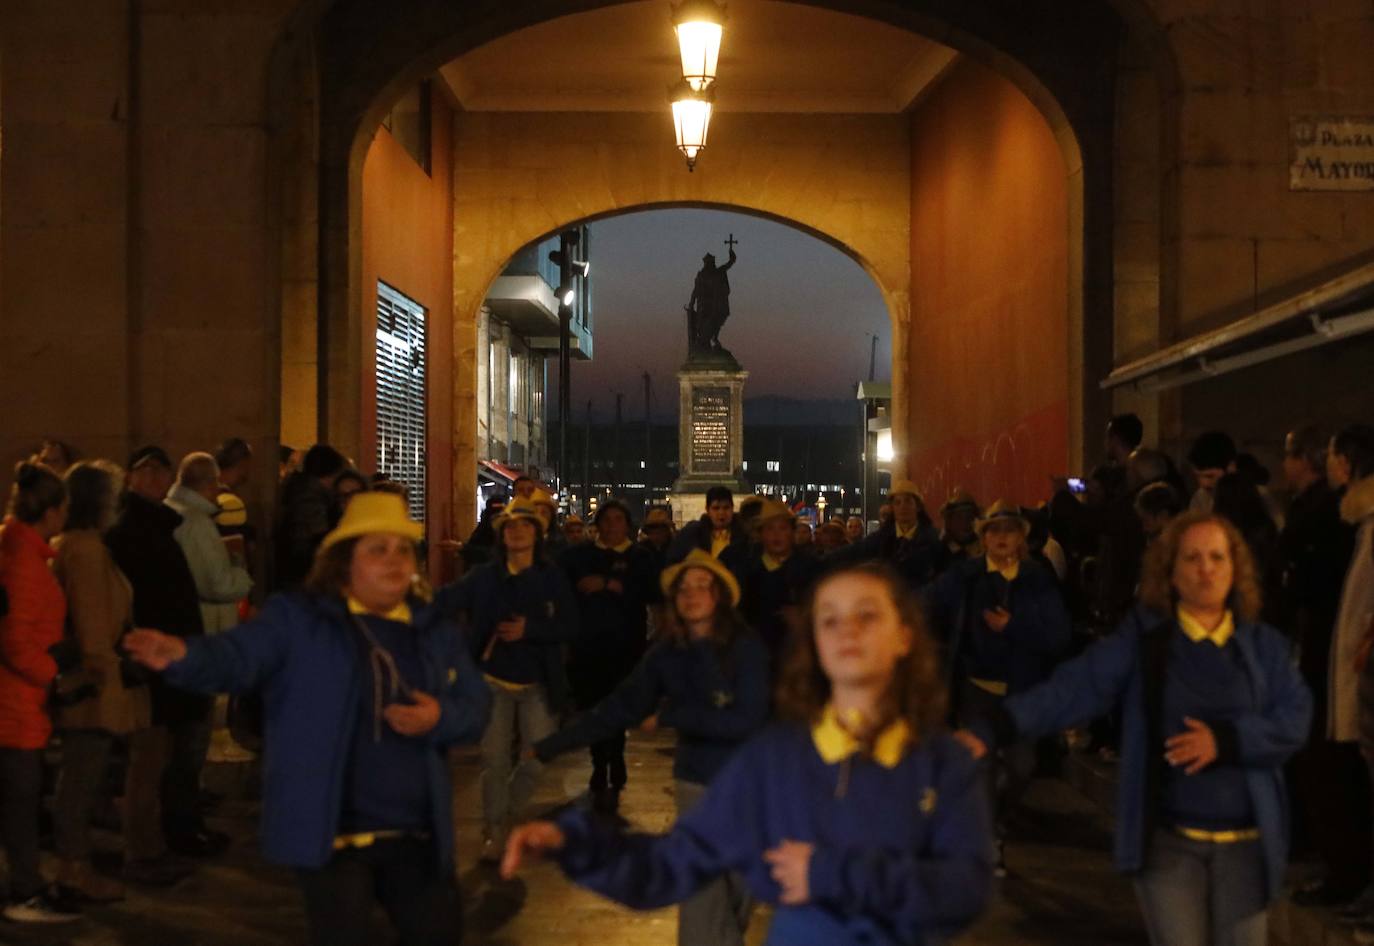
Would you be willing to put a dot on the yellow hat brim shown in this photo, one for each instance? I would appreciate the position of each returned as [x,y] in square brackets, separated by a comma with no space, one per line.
[700,559]
[410,530]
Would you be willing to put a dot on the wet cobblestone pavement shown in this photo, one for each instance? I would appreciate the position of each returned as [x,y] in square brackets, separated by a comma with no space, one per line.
[1061,892]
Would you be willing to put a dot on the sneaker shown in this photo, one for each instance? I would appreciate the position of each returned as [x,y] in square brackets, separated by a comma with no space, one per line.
[40,909]
[78,883]
[493,849]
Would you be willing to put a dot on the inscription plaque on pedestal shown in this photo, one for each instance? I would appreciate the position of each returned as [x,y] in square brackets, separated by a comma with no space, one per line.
[711,430]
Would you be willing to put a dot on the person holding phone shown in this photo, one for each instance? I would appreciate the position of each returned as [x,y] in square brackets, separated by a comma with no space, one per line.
[520,613]
[1003,621]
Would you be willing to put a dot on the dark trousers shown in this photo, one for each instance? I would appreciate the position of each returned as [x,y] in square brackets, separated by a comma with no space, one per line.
[85,757]
[403,876]
[1332,789]
[188,742]
[21,792]
[608,763]
[1007,771]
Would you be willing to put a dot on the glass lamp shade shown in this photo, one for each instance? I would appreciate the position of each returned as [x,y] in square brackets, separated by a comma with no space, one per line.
[691,120]
[699,25]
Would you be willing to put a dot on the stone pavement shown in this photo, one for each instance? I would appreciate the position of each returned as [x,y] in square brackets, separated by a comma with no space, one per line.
[1061,892]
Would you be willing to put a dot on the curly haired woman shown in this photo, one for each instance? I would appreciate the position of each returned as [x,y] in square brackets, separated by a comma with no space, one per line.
[1211,708]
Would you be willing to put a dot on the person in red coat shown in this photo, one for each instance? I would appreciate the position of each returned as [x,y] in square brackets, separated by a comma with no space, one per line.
[32,657]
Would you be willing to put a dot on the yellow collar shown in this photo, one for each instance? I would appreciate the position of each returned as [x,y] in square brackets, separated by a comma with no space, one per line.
[771,563]
[907,533]
[720,541]
[623,546]
[400,613]
[834,744]
[1196,633]
[1009,572]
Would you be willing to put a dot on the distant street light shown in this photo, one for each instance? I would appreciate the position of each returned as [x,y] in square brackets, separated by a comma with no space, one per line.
[691,119]
[699,25]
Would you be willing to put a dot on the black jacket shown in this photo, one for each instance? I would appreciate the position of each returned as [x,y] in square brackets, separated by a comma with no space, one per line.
[614,623]
[914,559]
[144,547]
[697,535]
[1315,548]
[768,596]
[307,514]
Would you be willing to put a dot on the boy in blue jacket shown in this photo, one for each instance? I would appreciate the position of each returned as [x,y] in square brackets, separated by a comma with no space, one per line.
[519,613]
[858,817]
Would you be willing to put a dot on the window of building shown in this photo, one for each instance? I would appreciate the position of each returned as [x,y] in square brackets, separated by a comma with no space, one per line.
[409,123]
[401,393]
[774,466]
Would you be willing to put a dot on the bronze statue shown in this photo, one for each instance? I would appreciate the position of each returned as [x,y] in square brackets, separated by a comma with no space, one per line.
[709,306]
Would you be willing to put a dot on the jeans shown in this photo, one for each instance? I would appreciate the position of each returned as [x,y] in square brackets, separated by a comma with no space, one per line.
[403,876]
[21,793]
[85,756]
[717,914]
[1007,771]
[507,787]
[189,741]
[1196,893]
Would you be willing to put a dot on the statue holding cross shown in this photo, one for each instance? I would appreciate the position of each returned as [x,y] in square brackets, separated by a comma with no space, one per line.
[709,306]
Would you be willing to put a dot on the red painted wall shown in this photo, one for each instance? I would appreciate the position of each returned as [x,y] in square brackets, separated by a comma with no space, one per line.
[408,243]
[989,293]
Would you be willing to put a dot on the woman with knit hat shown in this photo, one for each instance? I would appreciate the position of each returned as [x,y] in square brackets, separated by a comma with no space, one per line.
[1004,625]
[366,684]
[519,613]
[707,677]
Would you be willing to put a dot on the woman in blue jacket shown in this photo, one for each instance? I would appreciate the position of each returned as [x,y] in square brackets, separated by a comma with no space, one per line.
[707,677]
[365,686]
[858,817]
[1211,707]
[1004,625]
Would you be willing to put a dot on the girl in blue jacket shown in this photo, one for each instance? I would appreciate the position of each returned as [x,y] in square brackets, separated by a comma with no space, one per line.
[707,677]
[365,687]
[858,817]
[1211,707]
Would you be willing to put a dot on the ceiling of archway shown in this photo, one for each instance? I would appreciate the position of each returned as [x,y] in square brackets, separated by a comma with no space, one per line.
[776,57]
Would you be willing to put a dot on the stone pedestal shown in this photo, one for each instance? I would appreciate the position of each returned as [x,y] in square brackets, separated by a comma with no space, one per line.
[710,435]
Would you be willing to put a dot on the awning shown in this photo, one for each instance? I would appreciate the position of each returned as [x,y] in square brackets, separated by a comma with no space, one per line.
[499,470]
[1339,308]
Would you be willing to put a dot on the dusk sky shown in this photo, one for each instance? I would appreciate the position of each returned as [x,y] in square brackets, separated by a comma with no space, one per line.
[801,312]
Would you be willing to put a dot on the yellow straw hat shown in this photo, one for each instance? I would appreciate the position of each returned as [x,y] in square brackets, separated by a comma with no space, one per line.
[772,509]
[1002,511]
[699,558]
[520,509]
[542,497]
[904,486]
[368,513]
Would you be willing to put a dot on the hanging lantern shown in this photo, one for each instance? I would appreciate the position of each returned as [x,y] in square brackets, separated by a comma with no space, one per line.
[691,119]
[699,25]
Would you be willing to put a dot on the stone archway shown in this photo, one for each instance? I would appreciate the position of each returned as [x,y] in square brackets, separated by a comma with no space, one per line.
[1062,59]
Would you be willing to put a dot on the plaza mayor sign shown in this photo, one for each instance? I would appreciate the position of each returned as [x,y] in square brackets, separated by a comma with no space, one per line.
[1332,154]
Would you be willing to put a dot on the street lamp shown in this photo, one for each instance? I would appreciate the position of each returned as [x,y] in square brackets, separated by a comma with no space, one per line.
[699,25]
[691,119]
[820,508]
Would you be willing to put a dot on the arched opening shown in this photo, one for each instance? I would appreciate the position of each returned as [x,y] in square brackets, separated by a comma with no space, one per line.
[1076,115]
[806,323]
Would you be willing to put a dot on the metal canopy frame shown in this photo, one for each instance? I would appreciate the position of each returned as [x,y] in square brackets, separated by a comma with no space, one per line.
[1340,308]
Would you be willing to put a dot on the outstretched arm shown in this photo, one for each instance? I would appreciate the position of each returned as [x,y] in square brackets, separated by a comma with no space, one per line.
[648,871]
